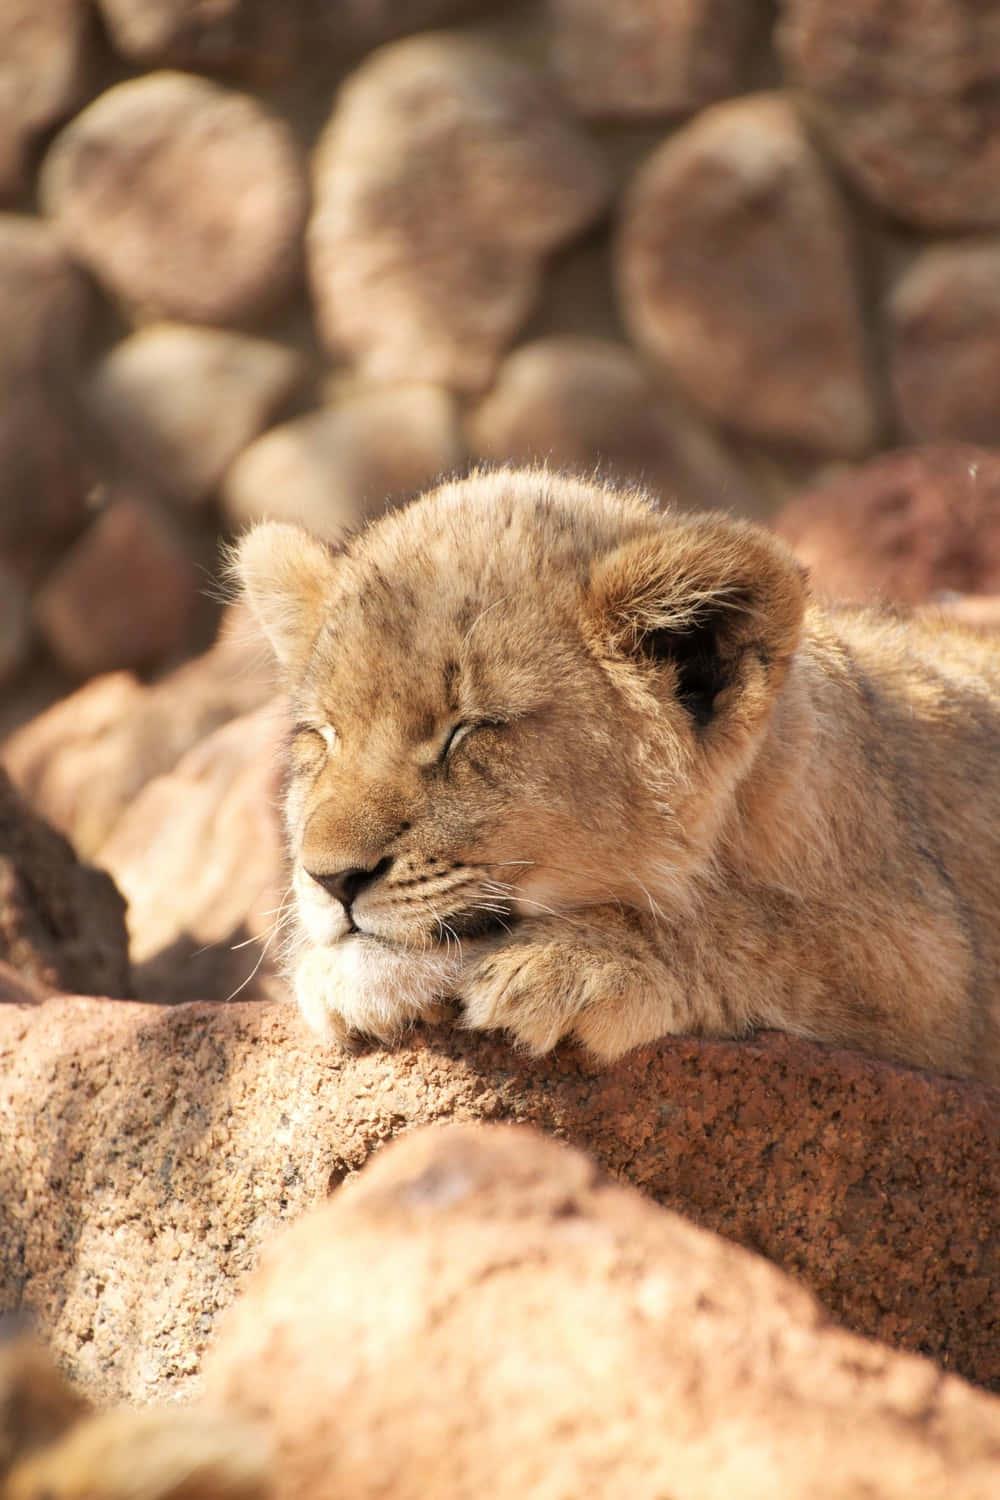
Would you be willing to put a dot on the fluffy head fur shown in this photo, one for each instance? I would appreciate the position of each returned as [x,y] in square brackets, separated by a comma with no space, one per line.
[592,769]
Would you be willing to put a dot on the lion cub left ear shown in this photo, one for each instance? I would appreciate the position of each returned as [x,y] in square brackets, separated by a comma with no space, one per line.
[717,603]
[286,577]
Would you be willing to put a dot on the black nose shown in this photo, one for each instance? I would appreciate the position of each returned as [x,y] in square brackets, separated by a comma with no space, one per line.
[346,885]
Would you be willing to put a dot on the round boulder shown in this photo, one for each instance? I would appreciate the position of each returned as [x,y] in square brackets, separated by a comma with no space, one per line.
[587,404]
[186,199]
[445,175]
[735,276]
[905,93]
[332,468]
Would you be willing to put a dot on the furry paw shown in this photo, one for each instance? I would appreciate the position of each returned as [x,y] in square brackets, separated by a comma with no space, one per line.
[361,987]
[540,992]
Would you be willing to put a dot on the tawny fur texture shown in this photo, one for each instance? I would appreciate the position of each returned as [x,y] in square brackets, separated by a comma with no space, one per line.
[601,772]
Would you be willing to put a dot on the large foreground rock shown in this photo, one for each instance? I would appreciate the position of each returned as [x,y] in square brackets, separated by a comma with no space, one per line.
[485,1314]
[148,1153]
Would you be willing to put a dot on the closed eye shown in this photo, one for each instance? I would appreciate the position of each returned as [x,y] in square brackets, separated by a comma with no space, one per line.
[462,730]
[324,732]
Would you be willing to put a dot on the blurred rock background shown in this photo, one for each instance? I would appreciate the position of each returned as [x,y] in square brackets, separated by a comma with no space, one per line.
[300,259]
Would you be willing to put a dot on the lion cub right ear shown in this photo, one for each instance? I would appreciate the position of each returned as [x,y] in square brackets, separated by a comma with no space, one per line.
[286,577]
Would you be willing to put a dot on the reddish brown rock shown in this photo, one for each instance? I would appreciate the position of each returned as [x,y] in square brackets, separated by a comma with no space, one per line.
[331,469]
[239,34]
[905,94]
[944,333]
[184,198]
[183,402]
[906,527]
[83,761]
[62,923]
[736,277]
[588,405]
[445,175]
[147,1153]
[487,1314]
[124,595]
[625,58]
[199,857]
[44,307]
[44,69]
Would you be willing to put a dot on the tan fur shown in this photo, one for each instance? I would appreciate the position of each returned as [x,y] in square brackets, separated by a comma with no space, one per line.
[680,800]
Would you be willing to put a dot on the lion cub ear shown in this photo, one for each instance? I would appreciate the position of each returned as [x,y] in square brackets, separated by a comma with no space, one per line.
[286,577]
[717,601]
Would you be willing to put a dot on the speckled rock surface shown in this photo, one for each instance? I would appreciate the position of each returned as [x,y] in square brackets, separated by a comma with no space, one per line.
[904,527]
[485,1314]
[62,923]
[148,1153]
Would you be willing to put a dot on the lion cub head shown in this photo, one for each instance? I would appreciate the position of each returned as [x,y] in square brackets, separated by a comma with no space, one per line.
[521,693]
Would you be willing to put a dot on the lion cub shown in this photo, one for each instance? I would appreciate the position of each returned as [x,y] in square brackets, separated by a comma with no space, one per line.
[601,772]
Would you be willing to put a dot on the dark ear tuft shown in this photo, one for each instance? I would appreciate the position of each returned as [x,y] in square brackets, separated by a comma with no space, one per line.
[694,653]
[721,602]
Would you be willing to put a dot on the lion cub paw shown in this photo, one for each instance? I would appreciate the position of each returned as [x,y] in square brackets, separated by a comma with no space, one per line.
[540,992]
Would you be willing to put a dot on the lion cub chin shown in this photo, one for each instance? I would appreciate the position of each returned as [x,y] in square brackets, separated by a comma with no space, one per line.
[600,772]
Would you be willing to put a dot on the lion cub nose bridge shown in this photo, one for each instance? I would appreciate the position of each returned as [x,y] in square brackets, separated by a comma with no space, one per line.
[346,885]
